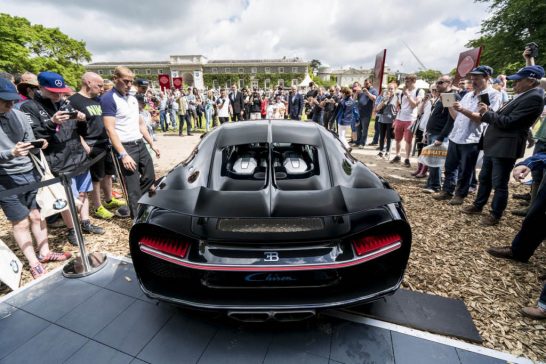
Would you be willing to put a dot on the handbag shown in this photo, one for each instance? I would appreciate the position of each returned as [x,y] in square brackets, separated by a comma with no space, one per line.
[51,199]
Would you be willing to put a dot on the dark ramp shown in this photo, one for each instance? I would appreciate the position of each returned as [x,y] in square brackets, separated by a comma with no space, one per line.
[421,311]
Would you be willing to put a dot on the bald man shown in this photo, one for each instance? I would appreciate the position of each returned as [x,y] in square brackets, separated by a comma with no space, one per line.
[95,142]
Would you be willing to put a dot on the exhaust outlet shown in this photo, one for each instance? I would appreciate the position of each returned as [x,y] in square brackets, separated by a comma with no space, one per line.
[263,316]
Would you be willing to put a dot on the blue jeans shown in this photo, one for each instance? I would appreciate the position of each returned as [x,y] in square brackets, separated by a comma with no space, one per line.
[459,168]
[173,118]
[495,174]
[362,129]
[376,128]
[163,120]
[434,180]
[542,299]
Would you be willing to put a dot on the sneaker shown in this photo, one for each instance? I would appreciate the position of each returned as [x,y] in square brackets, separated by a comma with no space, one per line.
[360,147]
[37,271]
[373,143]
[407,163]
[429,190]
[456,200]
[123,212]
[396,159]
[87,227]
[72,237]
[489,220]
[55,257]
[471,210]
[380,154]
[536,313]
[103,213]
[442,196]
[117,194]
[114,203]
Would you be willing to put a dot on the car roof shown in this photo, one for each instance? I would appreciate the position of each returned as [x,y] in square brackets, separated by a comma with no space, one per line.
[268,131]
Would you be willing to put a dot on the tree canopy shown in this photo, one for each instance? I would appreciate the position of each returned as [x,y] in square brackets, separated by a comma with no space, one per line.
[429,75]
[512,24]
[35,48]
[315,64]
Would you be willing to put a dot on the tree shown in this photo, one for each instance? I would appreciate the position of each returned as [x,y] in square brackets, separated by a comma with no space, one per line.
[429,75]
[315,64]
[512,24]
[35,48]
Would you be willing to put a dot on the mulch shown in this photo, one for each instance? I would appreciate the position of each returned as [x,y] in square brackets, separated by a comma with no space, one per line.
[448,259]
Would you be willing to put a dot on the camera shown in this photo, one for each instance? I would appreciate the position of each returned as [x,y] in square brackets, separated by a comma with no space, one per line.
[533,47]
[68,109]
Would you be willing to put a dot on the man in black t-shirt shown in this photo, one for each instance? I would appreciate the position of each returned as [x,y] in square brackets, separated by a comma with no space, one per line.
[95,142]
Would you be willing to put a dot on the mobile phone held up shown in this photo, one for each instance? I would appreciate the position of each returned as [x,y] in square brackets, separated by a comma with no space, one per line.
[485,99]
[533,47]
[38,144]
[72,114]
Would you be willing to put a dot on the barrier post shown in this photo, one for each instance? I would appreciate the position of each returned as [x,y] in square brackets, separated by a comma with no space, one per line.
[121,179]
[70,270]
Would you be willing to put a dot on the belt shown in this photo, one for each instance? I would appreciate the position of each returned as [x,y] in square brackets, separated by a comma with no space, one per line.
[132,142]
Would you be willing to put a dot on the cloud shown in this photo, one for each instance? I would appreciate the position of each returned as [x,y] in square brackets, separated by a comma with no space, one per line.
[337,32]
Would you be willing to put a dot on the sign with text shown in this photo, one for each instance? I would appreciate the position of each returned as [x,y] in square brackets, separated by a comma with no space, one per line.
[467,61]
[198,81]
[379,69]
[164,81]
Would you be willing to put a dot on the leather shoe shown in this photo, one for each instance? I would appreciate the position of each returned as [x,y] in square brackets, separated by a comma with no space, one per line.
[522,212]
[456,200]
[536,313]
[504,252]
[490,220]
[471,210]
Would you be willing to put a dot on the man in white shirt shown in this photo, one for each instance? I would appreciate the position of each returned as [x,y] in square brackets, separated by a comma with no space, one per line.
[223,106]
[463,150]
[410,98]
[126,129]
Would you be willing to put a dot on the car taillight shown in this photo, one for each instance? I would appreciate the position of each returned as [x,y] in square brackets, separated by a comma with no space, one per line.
[171,246]
[381,244]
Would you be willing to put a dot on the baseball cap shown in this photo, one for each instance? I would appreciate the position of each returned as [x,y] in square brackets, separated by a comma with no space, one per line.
[8,92]
[29,78]
[53,82]
[142,82]
[482,70]
[536,72]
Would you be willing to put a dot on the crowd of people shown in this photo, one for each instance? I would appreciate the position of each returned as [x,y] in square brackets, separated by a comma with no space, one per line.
[482,123]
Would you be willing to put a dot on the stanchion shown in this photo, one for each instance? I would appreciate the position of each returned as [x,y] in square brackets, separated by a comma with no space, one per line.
[121,179]
[71,269]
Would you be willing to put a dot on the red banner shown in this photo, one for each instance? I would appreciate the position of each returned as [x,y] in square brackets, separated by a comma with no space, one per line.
[379,69]
[164,81]
[467,61]
[178,83]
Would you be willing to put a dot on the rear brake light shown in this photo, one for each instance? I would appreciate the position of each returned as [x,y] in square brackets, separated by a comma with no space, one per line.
[381,244]
[169,246]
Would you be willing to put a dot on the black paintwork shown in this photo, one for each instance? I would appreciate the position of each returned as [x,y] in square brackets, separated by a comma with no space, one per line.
[314,216]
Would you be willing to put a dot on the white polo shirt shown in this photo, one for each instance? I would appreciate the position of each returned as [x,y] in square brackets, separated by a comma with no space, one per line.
[125,109]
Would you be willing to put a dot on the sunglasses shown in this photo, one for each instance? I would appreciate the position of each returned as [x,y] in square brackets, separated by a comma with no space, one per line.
[441,82]
[127,81]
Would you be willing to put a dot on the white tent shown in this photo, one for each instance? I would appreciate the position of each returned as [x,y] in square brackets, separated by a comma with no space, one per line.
[305,82]
[419,84]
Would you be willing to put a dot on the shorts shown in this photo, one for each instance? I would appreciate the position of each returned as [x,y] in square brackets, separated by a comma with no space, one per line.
[103,167]
[81,183]
[402,130]
[17,207]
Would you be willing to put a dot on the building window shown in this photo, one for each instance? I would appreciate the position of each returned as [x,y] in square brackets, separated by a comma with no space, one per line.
[294,69]
[295,82]
[267,84]
[159,72]
[268,70]
[214,70]
[227,70]
[241,70]
[111,72]
[148,72]
[254,83]
[254,70]
[281,69]
[99,72]
[241,83]
[281,82]
[214,83]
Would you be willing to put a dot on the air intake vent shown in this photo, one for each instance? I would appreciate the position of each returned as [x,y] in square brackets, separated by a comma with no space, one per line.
[270,225]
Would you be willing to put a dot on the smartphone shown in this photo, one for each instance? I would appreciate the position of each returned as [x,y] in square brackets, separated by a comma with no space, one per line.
[72,114]
[37,143]
[534,49]
[485,99]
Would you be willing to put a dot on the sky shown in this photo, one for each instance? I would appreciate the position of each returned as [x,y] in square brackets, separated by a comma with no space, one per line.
[339,33]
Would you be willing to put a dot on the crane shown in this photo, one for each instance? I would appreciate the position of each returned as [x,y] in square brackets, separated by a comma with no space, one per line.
[423,67]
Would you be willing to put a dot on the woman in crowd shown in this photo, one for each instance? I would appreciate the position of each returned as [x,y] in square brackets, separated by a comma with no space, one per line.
[425,109]
[348,114]
[209,109]
[387,108]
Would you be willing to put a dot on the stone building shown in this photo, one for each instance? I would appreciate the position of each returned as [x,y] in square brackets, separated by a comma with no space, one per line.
[263,73]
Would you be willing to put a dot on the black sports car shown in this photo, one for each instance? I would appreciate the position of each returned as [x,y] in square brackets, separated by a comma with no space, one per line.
[270,219]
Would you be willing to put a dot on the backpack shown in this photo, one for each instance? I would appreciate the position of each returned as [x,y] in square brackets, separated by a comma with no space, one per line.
[402,94]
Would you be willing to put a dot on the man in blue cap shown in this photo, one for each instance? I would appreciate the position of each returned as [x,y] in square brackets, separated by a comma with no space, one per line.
[16,170]
[505,139]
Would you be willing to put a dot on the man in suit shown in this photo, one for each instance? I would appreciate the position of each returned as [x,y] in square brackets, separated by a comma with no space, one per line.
[295,104]
[505,139]
[237,103]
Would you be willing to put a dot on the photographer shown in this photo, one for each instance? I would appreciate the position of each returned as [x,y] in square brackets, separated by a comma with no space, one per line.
[16,170]
[329,104]
[54,119]
[255,105]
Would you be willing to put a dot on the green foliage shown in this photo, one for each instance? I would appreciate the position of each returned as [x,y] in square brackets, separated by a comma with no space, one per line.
[35,48]
[512,24]
[325,84]
[230,78]
[429,75]
[314,65]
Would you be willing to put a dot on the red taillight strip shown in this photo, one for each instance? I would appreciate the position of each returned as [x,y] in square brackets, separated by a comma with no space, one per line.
[168,246]
[372,243]
[254,268]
